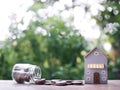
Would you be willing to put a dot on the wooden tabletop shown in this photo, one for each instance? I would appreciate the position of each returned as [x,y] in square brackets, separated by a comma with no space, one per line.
[10,85]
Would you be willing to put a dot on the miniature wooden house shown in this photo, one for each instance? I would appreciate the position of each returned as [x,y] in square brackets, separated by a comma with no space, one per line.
[95,67]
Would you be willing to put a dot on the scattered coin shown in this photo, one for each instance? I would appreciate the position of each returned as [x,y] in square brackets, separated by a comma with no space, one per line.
[69,82]
[61,83]
[77,82]
[40,81]
[53,81]
[57,82]
[48,82]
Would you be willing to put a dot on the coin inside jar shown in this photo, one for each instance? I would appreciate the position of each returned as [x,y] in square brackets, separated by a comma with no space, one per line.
[19,78]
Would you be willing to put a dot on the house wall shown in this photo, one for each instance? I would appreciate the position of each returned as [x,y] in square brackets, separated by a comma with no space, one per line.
[94,58]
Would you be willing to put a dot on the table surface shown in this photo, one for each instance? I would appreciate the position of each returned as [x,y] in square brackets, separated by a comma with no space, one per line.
[11,85]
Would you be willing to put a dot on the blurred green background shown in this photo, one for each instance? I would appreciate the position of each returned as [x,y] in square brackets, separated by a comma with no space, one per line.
[56,45]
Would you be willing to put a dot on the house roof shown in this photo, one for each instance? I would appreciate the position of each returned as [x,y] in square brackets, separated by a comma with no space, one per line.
[93,50]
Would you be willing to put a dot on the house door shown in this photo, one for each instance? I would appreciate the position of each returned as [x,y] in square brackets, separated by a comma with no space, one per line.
[96,78]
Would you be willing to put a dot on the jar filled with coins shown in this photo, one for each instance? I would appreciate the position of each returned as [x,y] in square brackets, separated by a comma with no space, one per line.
[22,73]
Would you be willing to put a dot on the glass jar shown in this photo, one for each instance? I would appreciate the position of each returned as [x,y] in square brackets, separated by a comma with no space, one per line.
[22,73]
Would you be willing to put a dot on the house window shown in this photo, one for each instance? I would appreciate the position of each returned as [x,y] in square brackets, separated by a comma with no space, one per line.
[95,66]
[88,72]
[88,78]
[104,78]
[103,72]
[96,53]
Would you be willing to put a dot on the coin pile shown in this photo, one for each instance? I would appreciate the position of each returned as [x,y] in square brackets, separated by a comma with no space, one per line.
[21,77]
[58,82]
